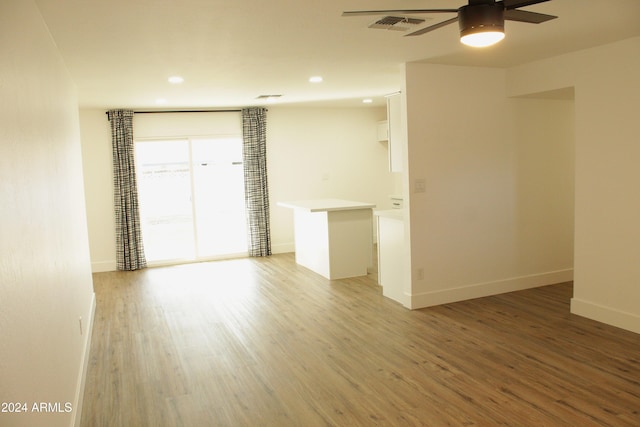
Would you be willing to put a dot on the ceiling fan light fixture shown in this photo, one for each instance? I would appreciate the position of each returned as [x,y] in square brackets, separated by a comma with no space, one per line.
[482,39]
[481,25]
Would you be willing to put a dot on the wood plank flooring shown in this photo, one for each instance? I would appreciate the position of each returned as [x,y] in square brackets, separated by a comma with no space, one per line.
[264,342]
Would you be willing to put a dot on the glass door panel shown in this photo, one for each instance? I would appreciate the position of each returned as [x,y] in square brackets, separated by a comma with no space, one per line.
[164,192]
[191,194]
[219,196]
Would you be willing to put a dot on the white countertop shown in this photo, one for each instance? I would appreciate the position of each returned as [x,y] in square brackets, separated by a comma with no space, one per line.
[391,213]
[323,205]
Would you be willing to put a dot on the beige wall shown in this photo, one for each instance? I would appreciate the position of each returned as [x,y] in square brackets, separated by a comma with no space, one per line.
[607,205]
[497,213]
[311,153]
[98,181]
[45,276]
[504,171]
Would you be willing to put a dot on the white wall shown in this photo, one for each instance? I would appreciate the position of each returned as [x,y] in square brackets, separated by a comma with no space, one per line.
[98,181]
[311,153]
[45,275]
[607,204]
[487,222]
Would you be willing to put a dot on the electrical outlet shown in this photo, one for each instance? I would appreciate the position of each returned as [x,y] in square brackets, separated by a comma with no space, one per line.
[420,185]
[420,274]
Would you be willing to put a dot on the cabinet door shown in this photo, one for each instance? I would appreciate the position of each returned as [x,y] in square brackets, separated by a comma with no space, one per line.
[390,259]
[383,131]
[394,118]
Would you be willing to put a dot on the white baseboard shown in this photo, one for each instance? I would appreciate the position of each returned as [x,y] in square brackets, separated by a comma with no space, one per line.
[608,315]
[102,266]
[77,405]
[446,296]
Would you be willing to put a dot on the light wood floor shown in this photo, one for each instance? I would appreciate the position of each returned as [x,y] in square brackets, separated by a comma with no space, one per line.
[263,342]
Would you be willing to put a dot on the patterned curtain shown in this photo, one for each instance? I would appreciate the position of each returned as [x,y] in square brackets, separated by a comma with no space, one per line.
[129,247]
[254,130]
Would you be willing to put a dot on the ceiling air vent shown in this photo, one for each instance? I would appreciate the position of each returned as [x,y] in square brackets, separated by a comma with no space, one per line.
[396,23]
[268,96]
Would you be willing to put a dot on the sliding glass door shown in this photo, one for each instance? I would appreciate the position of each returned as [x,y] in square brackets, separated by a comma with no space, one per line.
[191,198]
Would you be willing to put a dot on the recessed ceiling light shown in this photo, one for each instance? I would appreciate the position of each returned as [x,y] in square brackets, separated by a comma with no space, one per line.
[161,101]
[315,79]
[176,80]
[367,101]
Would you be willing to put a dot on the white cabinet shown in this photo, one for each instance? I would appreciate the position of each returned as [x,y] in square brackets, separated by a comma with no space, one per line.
[395,134]
[397,202]
[391,130]
[390,254]
[383,130]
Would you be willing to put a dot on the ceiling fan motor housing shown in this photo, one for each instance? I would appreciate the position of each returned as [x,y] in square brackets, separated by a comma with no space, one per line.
[476,18]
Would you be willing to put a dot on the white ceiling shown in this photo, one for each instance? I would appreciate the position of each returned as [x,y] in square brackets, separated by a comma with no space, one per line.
[121,52]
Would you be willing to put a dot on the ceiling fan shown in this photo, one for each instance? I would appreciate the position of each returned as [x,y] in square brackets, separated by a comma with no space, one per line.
[481,22]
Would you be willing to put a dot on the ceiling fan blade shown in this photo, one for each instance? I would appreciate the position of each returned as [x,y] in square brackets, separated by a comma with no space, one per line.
[397,12]
[524,16]
[513,4]
[433,27]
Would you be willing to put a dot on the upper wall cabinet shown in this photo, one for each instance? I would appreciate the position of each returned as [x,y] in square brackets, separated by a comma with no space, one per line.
[383,131]
[395,135]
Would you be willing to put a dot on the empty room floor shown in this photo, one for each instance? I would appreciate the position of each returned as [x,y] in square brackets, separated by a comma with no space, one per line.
[263,341]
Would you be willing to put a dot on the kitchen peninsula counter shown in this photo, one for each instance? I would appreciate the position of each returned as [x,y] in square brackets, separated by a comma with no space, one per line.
[333,237]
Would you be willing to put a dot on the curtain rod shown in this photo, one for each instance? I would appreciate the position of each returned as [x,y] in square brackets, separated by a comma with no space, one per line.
[183,111]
